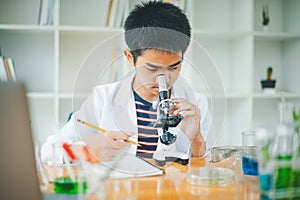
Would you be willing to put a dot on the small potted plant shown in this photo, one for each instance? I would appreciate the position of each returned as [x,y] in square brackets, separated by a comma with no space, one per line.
[268,84]
[265,17]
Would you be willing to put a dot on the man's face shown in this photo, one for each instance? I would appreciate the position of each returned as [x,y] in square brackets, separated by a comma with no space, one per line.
[153,62]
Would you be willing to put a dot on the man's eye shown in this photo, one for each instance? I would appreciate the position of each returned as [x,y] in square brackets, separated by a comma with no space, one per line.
[152,69]
[172,68]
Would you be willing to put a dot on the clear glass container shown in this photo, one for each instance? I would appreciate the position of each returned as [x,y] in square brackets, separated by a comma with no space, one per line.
[249,159]
[211,176]
[218,154]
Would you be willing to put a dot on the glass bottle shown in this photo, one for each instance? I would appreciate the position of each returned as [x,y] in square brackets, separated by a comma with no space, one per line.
[249,160]
[284,149]
[296,163]
[69,180]
[283,152]
[264,139]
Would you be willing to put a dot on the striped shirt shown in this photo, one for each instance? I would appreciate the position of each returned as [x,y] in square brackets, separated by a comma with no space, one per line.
[147,134]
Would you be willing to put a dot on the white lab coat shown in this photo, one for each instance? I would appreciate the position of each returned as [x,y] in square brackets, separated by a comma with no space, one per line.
[112,107]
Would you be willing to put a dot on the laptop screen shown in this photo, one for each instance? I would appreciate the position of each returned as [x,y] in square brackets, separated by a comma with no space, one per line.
[18,169]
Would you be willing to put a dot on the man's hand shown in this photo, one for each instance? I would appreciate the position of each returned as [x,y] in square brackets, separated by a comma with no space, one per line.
[191,117]
[190,124]
[106,146]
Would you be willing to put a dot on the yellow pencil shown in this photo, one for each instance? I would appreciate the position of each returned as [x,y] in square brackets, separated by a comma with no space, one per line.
[133,142]
[103,130]
[92,125]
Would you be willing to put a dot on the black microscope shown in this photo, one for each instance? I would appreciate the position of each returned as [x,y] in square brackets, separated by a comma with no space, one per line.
[164,121]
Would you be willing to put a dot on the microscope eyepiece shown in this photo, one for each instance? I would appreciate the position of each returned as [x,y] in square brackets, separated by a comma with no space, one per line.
[162,84]
[162,87]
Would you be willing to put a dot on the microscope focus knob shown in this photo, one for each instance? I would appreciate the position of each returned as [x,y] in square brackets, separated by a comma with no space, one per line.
[154,104]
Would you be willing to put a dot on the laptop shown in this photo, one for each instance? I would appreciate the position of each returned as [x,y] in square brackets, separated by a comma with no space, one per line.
[18,177]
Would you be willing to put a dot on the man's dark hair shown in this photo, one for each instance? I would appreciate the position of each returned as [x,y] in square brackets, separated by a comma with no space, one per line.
[157,25]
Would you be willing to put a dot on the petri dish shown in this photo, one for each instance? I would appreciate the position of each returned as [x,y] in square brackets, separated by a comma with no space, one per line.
[211,176]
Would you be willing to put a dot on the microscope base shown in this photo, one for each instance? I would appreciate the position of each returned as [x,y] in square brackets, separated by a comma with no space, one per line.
[161,157]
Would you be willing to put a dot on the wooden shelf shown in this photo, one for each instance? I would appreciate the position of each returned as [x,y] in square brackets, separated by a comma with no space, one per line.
[280,36]
[49,57]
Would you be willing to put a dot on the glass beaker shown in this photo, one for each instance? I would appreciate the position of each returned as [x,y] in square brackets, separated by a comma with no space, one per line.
[249,159]
[66,175]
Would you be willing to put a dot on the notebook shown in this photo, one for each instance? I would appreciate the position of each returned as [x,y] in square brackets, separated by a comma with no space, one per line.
[18,177]
[130,166]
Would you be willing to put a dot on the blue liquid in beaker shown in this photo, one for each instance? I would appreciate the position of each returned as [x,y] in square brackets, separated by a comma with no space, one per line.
[249,166]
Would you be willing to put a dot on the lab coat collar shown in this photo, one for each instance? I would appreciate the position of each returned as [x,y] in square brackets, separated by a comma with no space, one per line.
[124,106]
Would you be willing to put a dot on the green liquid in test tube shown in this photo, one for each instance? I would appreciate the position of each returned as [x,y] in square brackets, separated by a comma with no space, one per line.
[283,175]
[64,185]
[284,156]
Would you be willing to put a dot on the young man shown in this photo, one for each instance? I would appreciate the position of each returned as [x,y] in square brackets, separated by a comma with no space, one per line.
[157,35]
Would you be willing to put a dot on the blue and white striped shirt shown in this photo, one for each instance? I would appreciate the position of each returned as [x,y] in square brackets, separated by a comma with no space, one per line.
[147,134]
